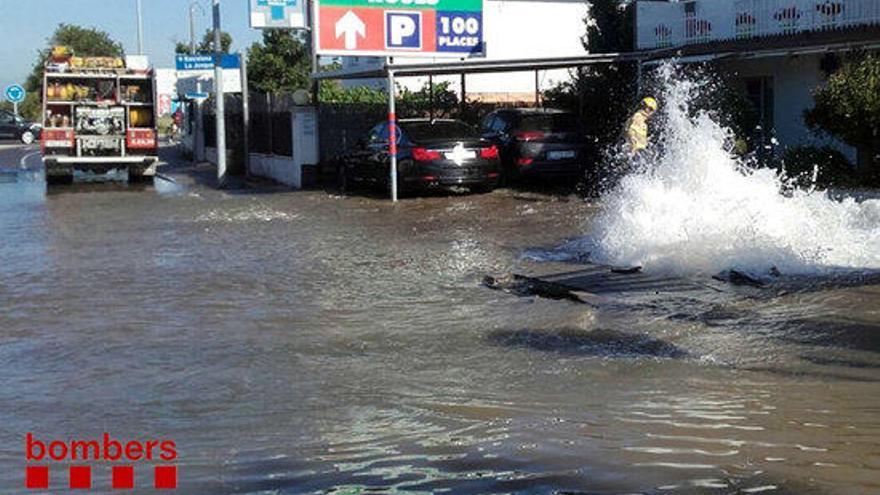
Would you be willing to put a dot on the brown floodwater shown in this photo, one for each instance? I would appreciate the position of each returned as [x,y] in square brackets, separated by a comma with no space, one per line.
[302,342]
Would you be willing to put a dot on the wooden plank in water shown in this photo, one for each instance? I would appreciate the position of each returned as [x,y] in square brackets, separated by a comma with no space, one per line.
[605,280]
[600,284]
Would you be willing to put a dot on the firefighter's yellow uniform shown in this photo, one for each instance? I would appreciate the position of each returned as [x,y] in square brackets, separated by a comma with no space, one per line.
[637,126]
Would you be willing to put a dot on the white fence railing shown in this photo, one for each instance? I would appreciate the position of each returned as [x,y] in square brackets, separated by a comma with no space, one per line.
[770,17]
[675,24]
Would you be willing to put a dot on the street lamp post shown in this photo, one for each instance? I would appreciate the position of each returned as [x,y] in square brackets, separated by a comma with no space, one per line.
[192,26]
[140,28]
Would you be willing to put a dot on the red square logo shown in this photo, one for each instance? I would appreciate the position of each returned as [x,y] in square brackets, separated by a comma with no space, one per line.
[123,477]
[80,477]
[36,477]
[165,477]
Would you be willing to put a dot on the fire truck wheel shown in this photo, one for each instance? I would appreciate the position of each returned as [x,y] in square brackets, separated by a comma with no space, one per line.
[137,177]
[59,179]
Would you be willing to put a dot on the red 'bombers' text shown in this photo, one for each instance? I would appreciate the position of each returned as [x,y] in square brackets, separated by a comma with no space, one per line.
[106,449]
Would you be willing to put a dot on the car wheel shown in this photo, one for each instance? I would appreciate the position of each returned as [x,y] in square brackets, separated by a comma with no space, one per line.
[27,137]
[484,188]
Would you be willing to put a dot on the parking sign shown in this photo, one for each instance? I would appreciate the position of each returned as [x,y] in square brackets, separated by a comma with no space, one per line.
[403,31]
[399,28]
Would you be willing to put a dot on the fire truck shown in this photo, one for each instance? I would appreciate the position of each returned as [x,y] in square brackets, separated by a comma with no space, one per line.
[99,114]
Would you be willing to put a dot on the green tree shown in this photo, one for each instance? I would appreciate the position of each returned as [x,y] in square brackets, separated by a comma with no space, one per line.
[181,48]
[604,95]
[848,108]
[206,45]
[440,102]
[85,42]
[281,63]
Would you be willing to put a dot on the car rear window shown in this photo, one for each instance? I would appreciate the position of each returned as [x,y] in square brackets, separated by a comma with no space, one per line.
[553,122]
[421,131]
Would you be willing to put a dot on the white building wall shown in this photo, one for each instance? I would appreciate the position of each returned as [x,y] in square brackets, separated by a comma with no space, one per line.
[794,81]
[513,29]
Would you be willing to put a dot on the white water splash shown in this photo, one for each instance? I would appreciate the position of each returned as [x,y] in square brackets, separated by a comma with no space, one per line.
[697,209]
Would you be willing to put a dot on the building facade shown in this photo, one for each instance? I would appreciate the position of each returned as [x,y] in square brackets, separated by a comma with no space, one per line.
[778,51]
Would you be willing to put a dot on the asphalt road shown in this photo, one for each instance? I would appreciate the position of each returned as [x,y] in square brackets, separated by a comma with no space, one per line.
[19,156]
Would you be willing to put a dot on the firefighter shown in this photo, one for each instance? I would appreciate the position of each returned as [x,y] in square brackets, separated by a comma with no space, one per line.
[637,126]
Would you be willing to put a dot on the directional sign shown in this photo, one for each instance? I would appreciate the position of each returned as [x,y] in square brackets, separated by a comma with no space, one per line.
[14,93]
[196,96]
[206,62]
[399,28]
[277,14]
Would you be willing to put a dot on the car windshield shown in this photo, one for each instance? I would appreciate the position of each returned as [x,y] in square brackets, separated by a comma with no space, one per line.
[439,129]
[550,122]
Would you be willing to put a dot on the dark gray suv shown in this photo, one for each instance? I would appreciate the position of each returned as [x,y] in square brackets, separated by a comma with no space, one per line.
[537,142]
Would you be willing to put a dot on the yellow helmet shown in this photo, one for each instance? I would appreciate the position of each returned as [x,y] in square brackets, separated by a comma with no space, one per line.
[650,103]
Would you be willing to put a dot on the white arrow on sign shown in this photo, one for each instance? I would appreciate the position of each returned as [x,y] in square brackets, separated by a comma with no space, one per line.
[351,26]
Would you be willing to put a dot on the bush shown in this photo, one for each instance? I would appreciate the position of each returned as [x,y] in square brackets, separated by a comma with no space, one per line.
[335,92]
[848,108]
[409,103]
[834,169]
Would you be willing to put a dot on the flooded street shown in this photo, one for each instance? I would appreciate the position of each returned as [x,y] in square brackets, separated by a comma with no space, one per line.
[303,342]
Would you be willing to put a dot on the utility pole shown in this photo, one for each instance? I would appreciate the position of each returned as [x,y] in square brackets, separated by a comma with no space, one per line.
[140,28]
[219,110]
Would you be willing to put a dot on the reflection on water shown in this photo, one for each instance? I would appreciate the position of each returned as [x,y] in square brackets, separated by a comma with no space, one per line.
[303,342]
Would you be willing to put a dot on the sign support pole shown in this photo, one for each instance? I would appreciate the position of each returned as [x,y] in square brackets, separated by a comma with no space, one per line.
[313,51]
[15,108]
[219,104]
[392,134]
[245,112]
[537,89]
[199,135]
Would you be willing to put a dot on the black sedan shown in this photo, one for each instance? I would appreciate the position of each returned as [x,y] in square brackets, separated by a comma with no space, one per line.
[537,142]
[15,127]
[439,153]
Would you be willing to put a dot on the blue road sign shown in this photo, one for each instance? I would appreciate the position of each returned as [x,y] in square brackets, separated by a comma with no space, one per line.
[206,62]
[14,93]
[196,96]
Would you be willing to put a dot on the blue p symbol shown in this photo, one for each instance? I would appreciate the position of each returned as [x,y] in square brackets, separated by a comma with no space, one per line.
[403,30]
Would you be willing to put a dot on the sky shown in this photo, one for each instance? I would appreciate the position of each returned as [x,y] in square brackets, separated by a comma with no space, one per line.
[25,25]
